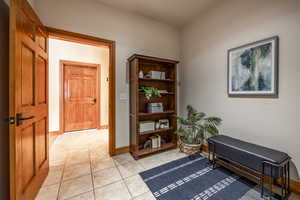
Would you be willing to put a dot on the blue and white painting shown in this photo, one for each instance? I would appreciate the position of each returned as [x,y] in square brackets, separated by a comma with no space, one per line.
[252,69]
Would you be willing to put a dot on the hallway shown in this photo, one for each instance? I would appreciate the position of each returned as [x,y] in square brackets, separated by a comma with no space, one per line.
[80,168]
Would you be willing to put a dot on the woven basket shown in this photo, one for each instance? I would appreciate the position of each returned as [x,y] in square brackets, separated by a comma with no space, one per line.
[189,148]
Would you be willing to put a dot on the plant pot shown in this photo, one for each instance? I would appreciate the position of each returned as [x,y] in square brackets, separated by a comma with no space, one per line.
[189,148]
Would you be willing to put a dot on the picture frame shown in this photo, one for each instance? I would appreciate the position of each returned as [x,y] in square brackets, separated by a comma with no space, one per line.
[252,69]
[163,123]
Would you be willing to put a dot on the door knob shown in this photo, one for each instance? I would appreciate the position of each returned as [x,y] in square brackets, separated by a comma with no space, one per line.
[20,118]
[94,100]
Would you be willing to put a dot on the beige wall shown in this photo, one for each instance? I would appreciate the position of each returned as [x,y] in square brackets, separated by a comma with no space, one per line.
[270,122]
[132,33]
[62,50]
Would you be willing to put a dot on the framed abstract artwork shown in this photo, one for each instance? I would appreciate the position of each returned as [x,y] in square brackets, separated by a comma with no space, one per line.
[253,69]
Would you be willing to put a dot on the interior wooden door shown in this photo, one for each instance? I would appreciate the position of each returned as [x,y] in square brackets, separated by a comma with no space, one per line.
[81,96]
[29,161]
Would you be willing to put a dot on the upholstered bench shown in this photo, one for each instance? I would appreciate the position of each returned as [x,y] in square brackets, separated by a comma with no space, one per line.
[261,160]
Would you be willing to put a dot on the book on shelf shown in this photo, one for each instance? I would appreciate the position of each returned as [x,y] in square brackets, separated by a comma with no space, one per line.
[156,141]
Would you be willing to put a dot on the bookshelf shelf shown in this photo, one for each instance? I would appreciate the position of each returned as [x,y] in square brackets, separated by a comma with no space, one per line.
[169,93]
[152,79]
[159,113]
[145,152]
[161,130]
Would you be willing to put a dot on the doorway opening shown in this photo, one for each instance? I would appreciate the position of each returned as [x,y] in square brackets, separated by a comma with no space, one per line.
[81,86]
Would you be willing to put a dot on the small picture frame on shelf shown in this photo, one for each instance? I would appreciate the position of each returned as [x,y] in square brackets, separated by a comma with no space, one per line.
[164,123]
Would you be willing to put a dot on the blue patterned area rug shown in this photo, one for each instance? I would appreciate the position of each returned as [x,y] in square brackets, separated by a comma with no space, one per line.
[194,179]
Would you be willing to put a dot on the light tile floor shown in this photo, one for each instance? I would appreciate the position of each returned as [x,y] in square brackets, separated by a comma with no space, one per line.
[81,169]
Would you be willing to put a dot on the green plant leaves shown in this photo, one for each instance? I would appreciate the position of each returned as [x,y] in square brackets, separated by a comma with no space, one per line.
[149,92]
[195,125]
[180,132]
[214,120]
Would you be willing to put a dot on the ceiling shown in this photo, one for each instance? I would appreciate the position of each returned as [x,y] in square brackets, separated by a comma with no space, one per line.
[173,12]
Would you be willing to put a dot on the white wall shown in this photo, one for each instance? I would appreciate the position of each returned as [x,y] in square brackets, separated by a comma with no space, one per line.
[270,122]
[62,50]
[132,33]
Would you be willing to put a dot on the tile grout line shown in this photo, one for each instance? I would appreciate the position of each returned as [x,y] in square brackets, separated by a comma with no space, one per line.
[123,180]
[65,163]
[89,151]
[62,176]
[141,195]
[92,175]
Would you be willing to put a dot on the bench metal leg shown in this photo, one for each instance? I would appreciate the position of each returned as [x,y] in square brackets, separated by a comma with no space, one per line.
[282,182]
[284,175]
[289,179]
[213,153]
[262,180]
[271,182]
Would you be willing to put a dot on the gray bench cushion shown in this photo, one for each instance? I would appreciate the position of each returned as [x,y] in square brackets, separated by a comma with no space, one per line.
[247,154]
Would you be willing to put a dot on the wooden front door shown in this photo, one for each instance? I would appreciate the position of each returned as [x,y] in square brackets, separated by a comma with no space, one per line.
[29,161]
[81,96]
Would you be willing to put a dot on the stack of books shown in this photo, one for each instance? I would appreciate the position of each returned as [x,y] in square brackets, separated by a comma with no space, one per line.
[156,141]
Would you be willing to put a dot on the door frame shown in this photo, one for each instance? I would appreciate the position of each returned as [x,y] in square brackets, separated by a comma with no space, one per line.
[95,41]
[62,64]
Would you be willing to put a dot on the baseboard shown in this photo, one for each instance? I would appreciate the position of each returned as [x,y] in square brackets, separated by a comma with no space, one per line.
[52,136]
[122,150]
[103,127]
[294,185]
[55,133]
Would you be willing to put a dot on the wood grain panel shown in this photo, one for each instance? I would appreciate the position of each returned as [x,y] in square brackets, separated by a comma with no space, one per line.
[42,41]
[27,71]
[28,161]
[41,142]
[41,80]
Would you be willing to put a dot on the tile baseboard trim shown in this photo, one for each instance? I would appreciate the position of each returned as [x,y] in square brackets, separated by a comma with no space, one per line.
[122,150]
[55,133]
[103,127]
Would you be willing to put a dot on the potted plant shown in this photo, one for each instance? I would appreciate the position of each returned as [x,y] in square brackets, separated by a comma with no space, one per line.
[149,92]
[193,129]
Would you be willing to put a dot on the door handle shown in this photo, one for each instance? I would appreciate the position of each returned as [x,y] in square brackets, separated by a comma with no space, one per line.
[94,100]
[20,118]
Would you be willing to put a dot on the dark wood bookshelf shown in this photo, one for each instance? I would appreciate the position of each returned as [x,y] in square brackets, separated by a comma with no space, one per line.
[138,103]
